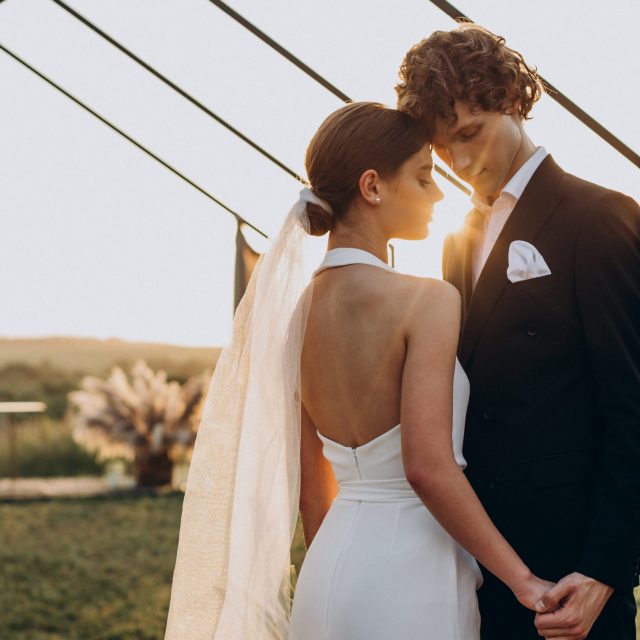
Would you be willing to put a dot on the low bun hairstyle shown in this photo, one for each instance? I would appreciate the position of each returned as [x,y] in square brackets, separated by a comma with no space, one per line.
[353,139]
[320,221]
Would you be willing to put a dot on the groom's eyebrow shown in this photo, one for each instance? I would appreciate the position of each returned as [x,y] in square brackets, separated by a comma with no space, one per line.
[425,167]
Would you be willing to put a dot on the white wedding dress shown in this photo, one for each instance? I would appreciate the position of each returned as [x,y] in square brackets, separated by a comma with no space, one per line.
[381,567]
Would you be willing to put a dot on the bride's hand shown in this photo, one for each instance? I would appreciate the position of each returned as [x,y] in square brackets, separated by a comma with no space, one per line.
[531,591]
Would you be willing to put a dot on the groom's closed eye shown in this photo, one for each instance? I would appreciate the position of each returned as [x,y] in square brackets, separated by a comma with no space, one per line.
[468,134]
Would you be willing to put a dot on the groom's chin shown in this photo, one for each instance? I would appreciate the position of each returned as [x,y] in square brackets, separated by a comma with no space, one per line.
[485,188]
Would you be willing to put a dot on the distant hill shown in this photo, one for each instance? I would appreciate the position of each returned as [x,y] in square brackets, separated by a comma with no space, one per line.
[96,357]
[47,369]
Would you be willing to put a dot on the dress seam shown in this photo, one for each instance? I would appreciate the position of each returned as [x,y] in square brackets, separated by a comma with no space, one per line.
[346,541]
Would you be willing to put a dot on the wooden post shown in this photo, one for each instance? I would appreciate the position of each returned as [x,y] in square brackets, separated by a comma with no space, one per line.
[13,459]
[8,409]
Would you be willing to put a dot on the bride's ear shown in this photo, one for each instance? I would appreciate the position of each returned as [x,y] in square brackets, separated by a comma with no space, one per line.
[369,184]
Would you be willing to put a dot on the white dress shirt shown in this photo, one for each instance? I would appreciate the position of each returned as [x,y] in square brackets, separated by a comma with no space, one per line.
[496,215]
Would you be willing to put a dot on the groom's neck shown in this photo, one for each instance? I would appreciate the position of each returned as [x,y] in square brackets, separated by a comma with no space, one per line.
[523,153]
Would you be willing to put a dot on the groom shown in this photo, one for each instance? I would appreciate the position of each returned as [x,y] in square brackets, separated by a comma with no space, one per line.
[548,267]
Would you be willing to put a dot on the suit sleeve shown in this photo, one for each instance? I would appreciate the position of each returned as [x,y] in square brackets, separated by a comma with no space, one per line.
[607,280]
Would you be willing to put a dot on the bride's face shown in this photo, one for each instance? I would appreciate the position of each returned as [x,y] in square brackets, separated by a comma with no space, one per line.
[409,197]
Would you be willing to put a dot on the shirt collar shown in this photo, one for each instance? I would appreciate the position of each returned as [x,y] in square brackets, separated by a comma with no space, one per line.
[518,181]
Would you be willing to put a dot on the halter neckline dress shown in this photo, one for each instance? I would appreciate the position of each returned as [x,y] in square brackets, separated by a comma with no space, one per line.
[381,567]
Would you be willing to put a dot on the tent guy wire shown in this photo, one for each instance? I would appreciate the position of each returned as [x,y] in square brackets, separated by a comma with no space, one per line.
[178,89]
[245,23]
[312,74]
[558,96]
[236,215]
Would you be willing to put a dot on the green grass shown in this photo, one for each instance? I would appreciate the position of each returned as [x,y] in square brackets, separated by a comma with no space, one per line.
[96,569]
[91,569]
[44,448]
[87,569]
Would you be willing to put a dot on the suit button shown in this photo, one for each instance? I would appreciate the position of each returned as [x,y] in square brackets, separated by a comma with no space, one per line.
[487,414]
[494,483]
[532,329]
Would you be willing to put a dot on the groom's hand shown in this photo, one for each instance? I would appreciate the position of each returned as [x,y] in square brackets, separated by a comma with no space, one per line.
[575,603]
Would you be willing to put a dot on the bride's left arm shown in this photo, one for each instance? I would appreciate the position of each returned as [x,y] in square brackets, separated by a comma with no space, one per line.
[318,485]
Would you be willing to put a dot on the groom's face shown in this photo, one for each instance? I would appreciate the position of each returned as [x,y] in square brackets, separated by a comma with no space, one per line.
[480,148]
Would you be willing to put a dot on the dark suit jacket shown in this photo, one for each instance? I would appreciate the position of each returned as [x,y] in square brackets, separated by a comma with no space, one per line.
[553,426]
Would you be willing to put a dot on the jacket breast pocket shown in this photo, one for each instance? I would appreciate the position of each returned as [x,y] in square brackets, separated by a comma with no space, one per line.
[532,285]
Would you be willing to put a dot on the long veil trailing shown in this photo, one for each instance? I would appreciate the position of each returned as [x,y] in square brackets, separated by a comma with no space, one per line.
[232,574]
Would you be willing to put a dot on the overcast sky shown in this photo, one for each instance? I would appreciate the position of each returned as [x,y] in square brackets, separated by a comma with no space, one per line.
[100,240]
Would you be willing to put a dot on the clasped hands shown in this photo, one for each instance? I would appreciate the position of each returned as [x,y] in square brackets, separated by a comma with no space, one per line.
[566,610]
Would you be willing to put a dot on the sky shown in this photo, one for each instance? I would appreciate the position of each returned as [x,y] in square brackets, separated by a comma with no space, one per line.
[100,240]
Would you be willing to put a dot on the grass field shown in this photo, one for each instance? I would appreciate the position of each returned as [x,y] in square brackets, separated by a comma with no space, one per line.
[44,448]
[94,569]
[87,569]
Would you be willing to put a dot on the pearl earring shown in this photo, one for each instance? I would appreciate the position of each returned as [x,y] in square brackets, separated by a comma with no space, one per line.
[377,199]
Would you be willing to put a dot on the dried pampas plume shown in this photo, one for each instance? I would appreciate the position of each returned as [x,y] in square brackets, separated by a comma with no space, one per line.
[147,416]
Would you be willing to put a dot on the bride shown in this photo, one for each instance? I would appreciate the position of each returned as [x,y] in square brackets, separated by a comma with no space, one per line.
[341,396]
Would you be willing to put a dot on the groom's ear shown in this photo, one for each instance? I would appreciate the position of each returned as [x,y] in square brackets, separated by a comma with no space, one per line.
[512,107]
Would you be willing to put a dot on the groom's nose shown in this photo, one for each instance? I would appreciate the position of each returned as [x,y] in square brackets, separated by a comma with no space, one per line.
[460,159]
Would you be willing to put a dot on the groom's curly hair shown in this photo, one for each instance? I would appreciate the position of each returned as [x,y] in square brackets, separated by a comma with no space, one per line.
[469,64]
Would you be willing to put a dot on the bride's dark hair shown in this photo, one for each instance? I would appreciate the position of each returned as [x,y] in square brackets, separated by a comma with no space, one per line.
[357,137]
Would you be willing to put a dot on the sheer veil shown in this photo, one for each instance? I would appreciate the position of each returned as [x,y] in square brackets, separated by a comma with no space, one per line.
[232,574]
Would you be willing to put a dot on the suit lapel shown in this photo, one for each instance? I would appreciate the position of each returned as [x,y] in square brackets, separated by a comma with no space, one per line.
[532,210]
[471,237]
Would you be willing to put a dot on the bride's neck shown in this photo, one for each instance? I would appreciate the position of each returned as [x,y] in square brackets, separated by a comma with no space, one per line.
[355,239]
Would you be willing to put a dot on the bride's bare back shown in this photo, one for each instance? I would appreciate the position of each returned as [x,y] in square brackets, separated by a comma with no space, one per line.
[354,351]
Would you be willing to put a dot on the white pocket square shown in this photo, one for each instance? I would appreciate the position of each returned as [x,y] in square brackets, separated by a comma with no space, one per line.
[525,262]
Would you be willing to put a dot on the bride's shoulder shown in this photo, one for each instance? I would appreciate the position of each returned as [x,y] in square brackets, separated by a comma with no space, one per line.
[429,289]
[429,300]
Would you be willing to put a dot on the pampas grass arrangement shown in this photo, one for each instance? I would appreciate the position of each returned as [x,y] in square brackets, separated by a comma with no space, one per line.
[146,420]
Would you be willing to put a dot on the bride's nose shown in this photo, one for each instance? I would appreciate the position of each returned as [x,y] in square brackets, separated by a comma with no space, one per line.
[438,195]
